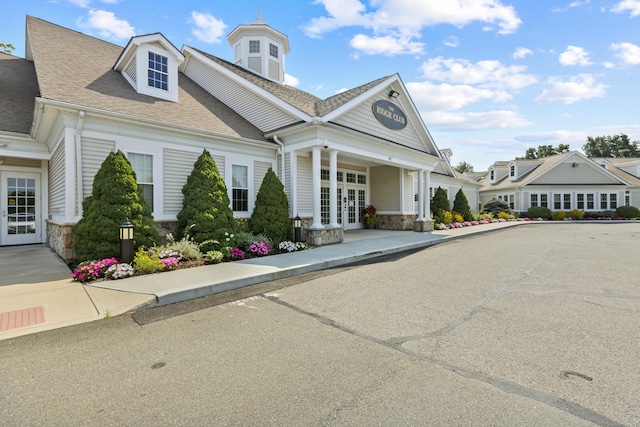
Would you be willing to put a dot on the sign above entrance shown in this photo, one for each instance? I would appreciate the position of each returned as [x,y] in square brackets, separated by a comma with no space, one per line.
[389,114]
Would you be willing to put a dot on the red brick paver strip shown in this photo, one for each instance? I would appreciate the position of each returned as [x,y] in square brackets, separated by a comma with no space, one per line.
[20,318]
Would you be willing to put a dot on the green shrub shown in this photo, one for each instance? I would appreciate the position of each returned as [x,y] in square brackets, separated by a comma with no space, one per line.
[576,214]
[627,212]
[206,213]
[505,215]
[558,215]
[187,247]
[271,213]
[461,206]
[444,217]
[440,201]
[539,212]
[115,197]
[495,206]
[456,217]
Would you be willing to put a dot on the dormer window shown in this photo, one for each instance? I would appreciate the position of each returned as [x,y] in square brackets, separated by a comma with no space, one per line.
[273,50]
[156,58]
[512,170]
[158,71]
[493,175]
[254,46]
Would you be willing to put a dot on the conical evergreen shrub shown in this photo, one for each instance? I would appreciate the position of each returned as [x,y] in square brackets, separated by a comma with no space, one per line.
[461,206]
[440,201]
[271,213]
[206,213]
[115,197]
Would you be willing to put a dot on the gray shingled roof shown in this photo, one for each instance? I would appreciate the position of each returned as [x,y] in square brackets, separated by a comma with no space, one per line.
[18,90]
[303,101]
[75,68]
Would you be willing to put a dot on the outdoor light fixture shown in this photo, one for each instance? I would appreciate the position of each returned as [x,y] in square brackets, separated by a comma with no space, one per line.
[574,165]
[297,229]
[126,242]
[393,94]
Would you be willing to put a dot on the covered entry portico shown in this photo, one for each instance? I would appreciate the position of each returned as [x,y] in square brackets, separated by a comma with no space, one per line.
[331,185]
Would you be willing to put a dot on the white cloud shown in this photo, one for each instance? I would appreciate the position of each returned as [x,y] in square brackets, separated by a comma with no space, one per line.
[80,3]
[387,45]
[399,22]
[560,136]
[633,6]
[577,88]
[108,25]
[628,52]
[431,97]
[574,55]
[207,28]
[290,80]
[451,41]
[488,73]
[500,119]
[521,52]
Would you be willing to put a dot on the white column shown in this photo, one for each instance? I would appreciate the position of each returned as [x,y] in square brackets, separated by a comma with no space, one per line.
[317,213]
[333,188]
[427,199]
[70,182]
[421,195]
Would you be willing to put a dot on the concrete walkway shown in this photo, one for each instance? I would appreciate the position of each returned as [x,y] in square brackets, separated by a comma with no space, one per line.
[37,292]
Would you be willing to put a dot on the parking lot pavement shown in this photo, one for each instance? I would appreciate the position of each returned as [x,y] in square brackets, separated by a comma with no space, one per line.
[532,326]
[548,313]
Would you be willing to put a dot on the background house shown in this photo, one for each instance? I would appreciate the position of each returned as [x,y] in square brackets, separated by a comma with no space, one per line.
[563,182]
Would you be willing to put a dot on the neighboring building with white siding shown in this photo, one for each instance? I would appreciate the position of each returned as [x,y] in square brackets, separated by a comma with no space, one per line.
[564,182]
[66,108]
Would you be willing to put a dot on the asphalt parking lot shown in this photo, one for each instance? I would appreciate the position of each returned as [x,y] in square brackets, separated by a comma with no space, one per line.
[534,325]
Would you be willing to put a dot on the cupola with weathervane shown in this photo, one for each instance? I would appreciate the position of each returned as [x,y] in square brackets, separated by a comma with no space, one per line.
[259,48]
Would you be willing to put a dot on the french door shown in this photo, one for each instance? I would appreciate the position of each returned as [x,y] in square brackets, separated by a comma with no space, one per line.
[20,211]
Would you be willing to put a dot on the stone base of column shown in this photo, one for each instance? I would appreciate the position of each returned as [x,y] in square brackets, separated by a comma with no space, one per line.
[422,226]
[324,236]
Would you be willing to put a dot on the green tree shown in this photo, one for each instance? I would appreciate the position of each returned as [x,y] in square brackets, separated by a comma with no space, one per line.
[7,47]
[115,197]
[545,151]
[463,167]
[495,206]
[206,213]
[611,146]
[461,206]
[440,201]
[271,213]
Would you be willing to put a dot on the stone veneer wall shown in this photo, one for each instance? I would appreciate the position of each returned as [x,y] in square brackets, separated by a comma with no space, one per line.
[396,222]
[60,239]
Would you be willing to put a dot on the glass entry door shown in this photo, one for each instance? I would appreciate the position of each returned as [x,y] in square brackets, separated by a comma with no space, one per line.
[20,220]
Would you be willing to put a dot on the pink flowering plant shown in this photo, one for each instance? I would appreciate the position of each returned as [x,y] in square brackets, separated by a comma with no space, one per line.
[92,270]
[259,248]
[236,254]
[170,263]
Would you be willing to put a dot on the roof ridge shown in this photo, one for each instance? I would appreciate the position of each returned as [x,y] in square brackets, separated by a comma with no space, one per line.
[30,17]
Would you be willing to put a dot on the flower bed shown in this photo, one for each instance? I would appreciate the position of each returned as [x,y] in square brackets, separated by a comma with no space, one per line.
[159,259]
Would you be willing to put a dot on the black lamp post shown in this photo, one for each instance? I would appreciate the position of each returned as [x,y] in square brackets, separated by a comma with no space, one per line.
[297,229]
[126,242]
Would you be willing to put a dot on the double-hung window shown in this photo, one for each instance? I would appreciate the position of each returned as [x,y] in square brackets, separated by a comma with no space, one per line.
[273,50]
[240,188]
[158,74]
[142,165]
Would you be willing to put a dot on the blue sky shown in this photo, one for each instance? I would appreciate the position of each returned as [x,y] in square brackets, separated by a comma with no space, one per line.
[489,77]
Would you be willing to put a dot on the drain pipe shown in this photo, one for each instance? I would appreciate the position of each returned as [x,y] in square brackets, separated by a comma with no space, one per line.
[79,161]
[281,152]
